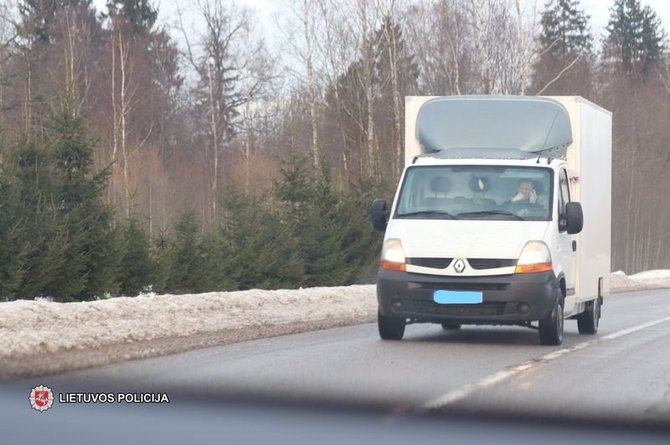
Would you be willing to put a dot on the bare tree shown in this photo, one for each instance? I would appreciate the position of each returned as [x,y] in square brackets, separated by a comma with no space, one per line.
[365,17]
[122,98]
[339,52]
[231,72]
[443,56]
[391,44]
[303,51]
[8,35]
[308,5]
[504,44]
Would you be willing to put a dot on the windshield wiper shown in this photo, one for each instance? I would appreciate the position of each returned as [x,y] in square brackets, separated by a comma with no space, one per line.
[428,213]
[493,212]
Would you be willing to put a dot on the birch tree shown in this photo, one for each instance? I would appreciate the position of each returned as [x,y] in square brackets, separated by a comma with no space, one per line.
[503,44]
[444,56]
[231,69]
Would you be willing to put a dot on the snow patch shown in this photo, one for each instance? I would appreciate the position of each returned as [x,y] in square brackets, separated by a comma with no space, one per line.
[41,337]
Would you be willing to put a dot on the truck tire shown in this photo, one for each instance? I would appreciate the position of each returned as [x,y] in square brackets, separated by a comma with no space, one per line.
[390,328]
[588,321]
[551,328]
[450,326]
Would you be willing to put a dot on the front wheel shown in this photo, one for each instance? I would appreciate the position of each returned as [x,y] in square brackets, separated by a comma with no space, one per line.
[588,321]
[551,328]
[390,328]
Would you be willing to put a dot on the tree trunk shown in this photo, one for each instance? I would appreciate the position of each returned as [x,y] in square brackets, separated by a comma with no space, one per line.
[368,66]
[311,85]
[123,66]
[214,112]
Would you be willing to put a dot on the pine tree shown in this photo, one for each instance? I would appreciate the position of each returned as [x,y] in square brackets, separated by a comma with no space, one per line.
[635,39]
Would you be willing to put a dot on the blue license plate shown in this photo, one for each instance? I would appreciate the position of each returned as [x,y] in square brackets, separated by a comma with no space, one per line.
[457,297]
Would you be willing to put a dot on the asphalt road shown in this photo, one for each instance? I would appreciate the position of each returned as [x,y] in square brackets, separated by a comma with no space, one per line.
[621,373]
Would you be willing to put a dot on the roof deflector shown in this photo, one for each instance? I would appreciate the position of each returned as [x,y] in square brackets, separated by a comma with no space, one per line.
[484,124]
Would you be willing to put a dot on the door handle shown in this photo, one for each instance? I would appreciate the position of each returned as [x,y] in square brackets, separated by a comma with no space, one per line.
[574,246]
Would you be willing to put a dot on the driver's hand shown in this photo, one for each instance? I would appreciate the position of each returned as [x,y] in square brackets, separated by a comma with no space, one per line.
[533,197]
[518,197]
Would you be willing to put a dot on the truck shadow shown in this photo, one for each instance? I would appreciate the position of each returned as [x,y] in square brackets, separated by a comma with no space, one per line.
[493,335]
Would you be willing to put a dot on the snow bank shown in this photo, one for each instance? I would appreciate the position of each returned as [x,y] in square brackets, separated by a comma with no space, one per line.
[651,279]
[38,337]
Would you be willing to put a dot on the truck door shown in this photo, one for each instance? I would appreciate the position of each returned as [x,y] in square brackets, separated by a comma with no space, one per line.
[566,244]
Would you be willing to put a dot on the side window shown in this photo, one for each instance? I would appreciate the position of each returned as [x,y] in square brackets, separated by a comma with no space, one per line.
[563,198]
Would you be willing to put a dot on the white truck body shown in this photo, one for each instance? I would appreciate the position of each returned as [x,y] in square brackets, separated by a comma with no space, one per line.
[460,255]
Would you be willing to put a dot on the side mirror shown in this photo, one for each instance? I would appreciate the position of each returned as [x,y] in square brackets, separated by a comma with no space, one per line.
[379,214]
[574,217]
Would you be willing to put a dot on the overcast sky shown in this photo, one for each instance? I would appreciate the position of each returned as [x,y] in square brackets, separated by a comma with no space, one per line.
[597,9]
[267,9]
[599,12]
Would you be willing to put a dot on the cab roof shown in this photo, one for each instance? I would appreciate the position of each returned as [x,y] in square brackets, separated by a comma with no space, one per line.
[491,126]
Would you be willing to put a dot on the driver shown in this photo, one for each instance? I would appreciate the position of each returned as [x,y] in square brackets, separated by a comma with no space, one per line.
[525,193]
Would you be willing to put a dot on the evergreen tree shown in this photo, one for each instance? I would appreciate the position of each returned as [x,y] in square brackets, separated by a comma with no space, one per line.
[334,239]
[635,39]
[258,244]
[361,244]
[74,252]
[140,15]
[565,29]
[161,252]
[138,270]
[79,194]
[38,16]
[564,65]
[190,269]
[15,243]
[320,235]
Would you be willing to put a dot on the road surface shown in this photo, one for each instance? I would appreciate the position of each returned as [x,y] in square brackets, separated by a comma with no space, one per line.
[621,373]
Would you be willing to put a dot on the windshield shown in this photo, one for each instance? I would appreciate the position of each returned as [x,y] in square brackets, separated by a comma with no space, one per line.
[474,192]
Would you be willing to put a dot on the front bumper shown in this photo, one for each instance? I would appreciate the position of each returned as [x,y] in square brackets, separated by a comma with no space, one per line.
[507,299]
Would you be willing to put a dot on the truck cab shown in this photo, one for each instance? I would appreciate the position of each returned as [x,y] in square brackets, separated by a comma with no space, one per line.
[486,226]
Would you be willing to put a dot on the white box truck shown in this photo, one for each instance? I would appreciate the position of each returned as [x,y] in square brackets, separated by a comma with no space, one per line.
[502,216]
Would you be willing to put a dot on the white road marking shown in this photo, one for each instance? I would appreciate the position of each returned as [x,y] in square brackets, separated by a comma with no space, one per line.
[500,376]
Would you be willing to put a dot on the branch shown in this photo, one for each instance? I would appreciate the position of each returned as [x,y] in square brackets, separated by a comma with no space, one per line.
[559,75]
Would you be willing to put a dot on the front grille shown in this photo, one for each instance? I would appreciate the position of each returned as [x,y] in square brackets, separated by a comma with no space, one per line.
[459,286]
[490,263]
[456,310]
[434,263]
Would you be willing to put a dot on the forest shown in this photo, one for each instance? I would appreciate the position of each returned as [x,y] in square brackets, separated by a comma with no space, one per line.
[208,154]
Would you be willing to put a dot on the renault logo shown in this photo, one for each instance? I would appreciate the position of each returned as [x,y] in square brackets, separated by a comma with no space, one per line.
[459,265]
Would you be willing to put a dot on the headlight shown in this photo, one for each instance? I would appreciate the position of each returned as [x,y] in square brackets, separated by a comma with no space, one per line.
[393,257]
[535,257]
